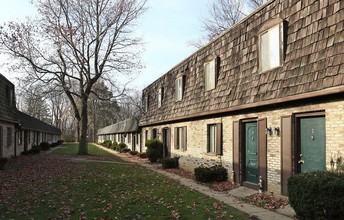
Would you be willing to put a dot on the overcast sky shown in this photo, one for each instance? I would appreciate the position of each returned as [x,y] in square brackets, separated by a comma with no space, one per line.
[167,28]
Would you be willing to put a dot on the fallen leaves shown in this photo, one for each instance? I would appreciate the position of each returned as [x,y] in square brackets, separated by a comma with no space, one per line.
[266,201]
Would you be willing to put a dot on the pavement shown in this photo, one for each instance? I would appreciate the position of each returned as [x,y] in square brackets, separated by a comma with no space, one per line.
[232,197]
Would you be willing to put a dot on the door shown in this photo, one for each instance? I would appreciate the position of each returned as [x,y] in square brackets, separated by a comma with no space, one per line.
[166,142]
[134,142]
[251,152]
[312,153]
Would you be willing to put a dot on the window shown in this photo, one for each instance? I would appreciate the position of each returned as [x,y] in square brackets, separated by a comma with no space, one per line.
[179,88]
[129,138]
[270,47]
[214,144]
[154,133]
[146,135]
[10,96]
[209,75]
[160,97]
[20,141]
[211,138]
[180,138]
[9,137]
[145,103]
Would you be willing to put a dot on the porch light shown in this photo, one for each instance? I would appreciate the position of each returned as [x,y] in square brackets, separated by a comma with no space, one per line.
[268,131]
[277,131]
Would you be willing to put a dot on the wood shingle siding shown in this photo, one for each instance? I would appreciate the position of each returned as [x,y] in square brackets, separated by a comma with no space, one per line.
[312,64]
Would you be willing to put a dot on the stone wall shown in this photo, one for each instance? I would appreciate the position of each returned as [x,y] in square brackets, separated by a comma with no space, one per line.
[196,153]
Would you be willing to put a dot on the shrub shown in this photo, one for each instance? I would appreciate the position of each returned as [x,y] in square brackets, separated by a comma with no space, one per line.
[125,150]
[44,146]
[133,152]
[114,145]
[170,162]
[154,150]
[142,155]
[208,174]
[107,143]
[3,161]
[121,147]
[35,149]
[317,195]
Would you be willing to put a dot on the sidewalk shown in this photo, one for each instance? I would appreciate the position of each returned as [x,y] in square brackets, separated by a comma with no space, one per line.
[231,197]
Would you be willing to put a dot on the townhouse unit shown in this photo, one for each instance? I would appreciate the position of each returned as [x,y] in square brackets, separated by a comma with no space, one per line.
[18,131]
[8,118]
[122,132]
[265,99]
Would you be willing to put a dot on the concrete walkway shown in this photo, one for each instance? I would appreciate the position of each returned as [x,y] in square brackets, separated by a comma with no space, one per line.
[231,197]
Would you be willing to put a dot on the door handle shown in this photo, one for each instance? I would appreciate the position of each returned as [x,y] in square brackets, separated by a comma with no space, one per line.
[301,161]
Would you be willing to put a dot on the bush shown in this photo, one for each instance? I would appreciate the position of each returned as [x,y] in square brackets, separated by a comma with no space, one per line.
[125,150]
[154,150]
[170,162]
[44,146]
[3,161]
[133,152]
[114,145]
[317,195]
[121,147]
[142,155]
[208,174]
[107,143]
[36,149]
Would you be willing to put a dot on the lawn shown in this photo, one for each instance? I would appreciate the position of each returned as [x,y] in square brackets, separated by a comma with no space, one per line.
[96,190]
[72,149]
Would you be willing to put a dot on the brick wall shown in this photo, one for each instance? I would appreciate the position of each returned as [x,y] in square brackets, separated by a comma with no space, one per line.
[196,153]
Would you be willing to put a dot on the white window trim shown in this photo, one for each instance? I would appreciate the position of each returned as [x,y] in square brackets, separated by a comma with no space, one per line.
[160,98]
[280,48]
[210,75]
[179,88]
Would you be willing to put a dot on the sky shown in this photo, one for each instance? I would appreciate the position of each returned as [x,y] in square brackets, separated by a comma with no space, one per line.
[167,27]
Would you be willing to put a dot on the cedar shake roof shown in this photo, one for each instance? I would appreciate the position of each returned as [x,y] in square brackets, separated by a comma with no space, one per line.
[313,63]
[126,126]
[34,124]
[7,112]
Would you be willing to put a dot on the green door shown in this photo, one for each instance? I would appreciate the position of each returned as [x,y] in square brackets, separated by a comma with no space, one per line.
[313,148]
[251,153]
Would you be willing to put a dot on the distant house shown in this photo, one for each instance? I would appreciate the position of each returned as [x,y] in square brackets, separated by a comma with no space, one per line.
[265,99]
[18,131]
[34,131]
[8,118]
[122,132]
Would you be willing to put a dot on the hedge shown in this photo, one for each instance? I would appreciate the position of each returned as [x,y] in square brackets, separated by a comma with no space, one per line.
[317,195]
[208,174]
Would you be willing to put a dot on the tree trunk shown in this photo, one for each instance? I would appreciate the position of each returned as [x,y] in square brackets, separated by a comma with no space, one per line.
[83,150]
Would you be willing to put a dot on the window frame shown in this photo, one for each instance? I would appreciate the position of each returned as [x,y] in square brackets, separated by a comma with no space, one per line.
[160,96]
[145,103]
[269,30]
[210,74]
[179,88]
[217,148]
[180,138]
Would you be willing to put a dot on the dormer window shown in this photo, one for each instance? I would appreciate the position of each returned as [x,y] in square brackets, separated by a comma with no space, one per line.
[179,88]
[145,103]
[271,48]
[209,75]
[160,96]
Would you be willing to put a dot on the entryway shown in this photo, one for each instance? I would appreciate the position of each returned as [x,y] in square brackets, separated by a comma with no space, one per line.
[312,144]
[251,153]
[166,140]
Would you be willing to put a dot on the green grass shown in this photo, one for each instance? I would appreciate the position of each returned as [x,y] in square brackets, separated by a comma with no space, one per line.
[72,149]
[111,191]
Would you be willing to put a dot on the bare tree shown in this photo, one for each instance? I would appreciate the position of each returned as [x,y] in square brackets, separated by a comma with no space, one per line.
[73,44]
[130,105]
[222,14]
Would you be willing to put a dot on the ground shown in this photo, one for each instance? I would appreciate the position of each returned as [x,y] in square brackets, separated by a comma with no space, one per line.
[62,186]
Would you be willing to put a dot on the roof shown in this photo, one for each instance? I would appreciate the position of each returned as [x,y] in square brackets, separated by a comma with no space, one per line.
[127,126]
[313,64]
[30,123]
[8,111]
